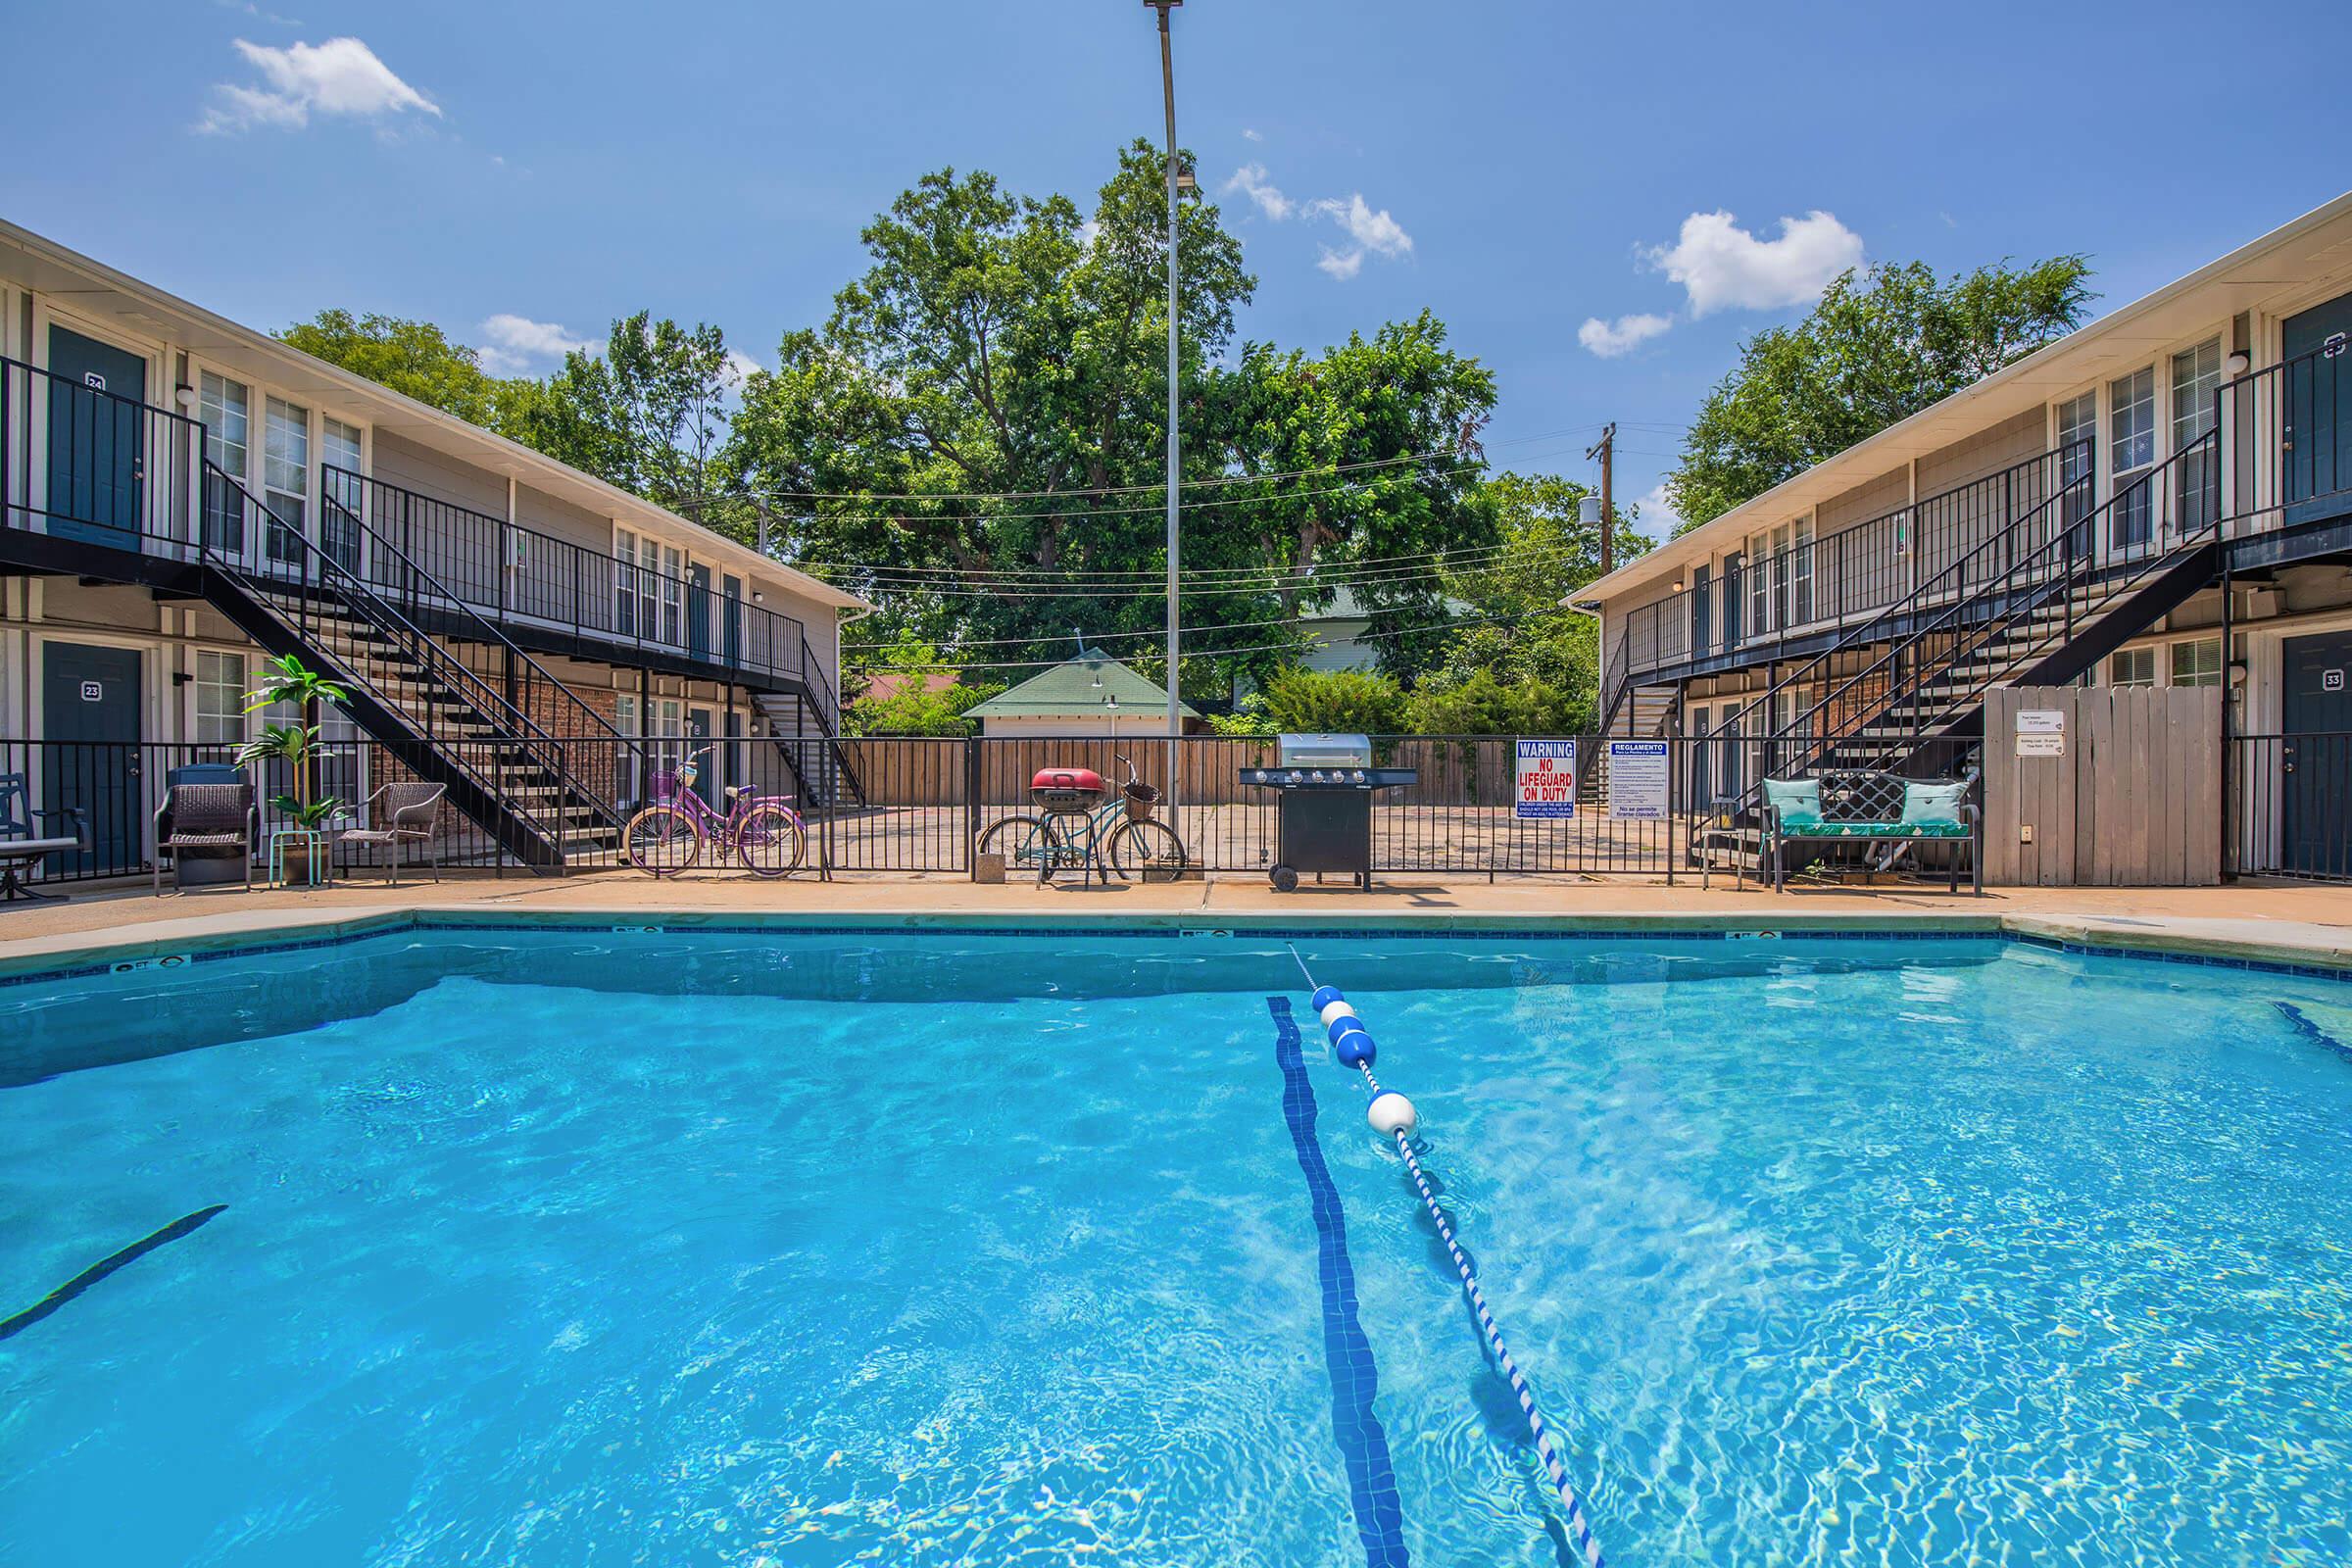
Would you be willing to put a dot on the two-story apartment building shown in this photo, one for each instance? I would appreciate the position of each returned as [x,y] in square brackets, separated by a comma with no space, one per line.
[2164,496]
[182,496]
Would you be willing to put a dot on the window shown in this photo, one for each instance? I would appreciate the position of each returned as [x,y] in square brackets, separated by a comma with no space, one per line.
[219,699]
[673,590]
[339,524]
[225,408]
[1783,580]
[2132,666]
[2131,451]
[2077,454]
[1800,562]
[2196,380]
[2197,663]
[1760,585]
[626,589]
[286,476]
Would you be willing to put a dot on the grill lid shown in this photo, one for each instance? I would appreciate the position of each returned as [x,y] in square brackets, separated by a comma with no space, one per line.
[1323,750]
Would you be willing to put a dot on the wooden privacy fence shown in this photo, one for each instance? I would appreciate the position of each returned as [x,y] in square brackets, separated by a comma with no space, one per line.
[2104,786]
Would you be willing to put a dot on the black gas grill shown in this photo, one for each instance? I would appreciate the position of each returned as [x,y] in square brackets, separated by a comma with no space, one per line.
[1323,788]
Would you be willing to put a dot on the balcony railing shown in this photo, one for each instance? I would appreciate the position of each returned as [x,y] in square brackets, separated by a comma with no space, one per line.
[1857,570]
[2286,441]
[81,462]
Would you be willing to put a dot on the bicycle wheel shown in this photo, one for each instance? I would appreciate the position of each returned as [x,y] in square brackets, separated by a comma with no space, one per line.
[1148,851]
[770,841]
[662,840]
[1022,840]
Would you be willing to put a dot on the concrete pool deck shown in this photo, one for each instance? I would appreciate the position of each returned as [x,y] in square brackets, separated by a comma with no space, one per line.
[2290,922]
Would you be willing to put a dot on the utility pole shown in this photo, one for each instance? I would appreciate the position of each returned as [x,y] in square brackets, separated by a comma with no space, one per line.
[1167,83]
[1607,451]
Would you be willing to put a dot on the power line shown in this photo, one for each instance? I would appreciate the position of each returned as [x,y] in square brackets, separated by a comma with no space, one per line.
[1213,653]
[1115,591]
[1319,471]
[1460,558]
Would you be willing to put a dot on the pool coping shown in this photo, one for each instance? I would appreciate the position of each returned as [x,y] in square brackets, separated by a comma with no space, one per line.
[2289,946]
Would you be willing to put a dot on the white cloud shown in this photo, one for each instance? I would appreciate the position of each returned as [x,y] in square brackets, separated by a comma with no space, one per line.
[1609,339]
[740,366]
[1088,232]
[1251,180]
[1248,134]
[1720,265]
[340,77]
[514,344]
[1370,232]
[1658,517]
[1341,264]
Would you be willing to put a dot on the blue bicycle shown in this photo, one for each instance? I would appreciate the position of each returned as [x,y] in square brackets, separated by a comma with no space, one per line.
[1081,826]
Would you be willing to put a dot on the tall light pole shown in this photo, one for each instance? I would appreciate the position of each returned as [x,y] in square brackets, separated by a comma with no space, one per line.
[1167,83]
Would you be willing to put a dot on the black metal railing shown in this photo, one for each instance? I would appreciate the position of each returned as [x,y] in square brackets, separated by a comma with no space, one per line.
[510,760]
[2290,805]
[518,575]
[2287,433]
[82,463]
[1811,585]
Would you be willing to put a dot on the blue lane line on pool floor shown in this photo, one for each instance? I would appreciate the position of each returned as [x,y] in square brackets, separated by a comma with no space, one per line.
[183,1226]
[1347,1354]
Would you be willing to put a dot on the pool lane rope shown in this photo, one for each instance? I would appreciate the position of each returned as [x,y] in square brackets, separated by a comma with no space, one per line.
[1393,1115]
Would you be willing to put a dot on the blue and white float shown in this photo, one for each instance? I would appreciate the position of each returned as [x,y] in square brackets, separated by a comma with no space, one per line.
[1392,1116]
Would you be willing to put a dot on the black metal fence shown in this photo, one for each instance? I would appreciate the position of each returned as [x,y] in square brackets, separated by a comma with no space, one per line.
[2290,807]
[928,802]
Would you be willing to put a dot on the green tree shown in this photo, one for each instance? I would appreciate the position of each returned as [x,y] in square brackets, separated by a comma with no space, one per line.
[649,413]
[414,358]
[1881,346]
[998,344]
[1318,702]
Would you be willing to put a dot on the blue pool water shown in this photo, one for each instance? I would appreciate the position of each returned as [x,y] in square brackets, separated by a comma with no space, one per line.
[559,1248]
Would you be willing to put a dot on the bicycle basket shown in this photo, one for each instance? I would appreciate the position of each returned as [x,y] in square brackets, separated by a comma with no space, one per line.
[1141,798]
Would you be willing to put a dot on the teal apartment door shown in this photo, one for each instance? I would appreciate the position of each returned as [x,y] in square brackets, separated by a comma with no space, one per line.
[698,731]
[2315,441]
[697,612]
[97,435]
[91,761]
[2315,786]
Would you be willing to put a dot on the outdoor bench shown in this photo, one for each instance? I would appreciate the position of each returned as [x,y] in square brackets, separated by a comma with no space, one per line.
[1871,809]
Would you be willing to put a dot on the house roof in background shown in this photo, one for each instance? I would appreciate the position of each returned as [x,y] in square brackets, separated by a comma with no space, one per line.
[1071,690]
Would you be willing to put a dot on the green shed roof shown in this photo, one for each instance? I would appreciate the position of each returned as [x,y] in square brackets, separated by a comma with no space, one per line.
[1070,689]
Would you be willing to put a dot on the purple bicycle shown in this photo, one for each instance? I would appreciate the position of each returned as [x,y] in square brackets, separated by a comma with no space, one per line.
[670,836]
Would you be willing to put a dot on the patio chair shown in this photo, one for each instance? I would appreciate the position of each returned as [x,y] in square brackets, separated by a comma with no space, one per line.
[205,816]
[21,846]
[403,814]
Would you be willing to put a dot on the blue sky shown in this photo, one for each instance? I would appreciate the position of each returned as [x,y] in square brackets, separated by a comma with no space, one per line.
[522,172]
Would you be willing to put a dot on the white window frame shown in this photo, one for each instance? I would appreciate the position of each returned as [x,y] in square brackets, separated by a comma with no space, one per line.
[298,468]
[236,722]
[2143,649]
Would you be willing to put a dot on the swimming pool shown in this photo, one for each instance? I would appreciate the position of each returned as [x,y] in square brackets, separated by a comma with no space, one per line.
[578,1247]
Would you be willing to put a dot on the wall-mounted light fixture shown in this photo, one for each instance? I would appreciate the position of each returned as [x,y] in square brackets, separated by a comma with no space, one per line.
[2237,364]
[185,397]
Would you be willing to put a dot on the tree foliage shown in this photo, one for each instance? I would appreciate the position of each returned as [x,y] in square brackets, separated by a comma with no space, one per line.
[416,358]
[1000,344]
[1881,346]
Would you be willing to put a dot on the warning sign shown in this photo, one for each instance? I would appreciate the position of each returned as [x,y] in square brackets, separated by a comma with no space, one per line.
[1546,779]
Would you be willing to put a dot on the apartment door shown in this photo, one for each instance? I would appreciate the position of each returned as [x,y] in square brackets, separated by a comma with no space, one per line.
[1699,628]
[97,435]
[1731,594]
[2314,787]
[697,612]
[2315,441]
[90,759]
[698,731]
[731,631]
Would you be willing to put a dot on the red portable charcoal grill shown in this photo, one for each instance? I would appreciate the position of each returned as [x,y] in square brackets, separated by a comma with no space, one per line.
[1066,789]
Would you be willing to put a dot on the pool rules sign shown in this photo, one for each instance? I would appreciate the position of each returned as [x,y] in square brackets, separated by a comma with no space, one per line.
[1546,779]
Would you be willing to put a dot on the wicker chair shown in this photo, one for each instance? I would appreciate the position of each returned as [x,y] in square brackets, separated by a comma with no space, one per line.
[403,814]
[205,816]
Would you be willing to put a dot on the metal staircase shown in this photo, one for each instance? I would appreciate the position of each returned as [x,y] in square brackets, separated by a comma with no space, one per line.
[804,722]
[539,799]
[2039,601]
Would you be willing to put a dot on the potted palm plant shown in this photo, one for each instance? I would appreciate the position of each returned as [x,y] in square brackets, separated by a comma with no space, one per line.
[288,682]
